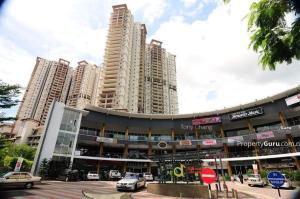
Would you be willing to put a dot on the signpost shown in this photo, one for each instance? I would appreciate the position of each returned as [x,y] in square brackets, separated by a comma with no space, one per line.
[18,164]
[276,179]
[208,176]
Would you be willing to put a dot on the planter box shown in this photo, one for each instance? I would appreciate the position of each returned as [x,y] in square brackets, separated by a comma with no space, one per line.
[177,190]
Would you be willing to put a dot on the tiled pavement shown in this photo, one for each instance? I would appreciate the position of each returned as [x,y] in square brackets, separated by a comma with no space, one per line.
[73,190]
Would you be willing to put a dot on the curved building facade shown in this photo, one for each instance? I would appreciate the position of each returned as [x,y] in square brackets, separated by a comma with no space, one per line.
[264,132]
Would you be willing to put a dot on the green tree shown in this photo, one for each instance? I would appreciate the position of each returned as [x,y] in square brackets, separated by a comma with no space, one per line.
[8,95]
[10,154]
[44,168]
[271,36]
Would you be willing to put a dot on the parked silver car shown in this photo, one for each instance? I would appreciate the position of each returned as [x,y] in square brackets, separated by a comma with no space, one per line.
[19,179]
[132,182]
[256,180]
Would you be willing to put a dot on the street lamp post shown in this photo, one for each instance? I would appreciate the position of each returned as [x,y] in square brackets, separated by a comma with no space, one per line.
[218,180]
[223,176]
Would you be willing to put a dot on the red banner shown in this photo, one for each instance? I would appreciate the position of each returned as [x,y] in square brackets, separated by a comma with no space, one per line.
[208,120]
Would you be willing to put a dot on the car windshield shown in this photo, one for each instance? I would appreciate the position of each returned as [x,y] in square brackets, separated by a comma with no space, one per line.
[6,175]
[147,173]
[131,177]
[92,172]
[253,176]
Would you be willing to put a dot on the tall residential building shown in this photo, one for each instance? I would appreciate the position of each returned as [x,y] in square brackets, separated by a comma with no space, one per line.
[50,80]
[85,85]
[141,98]
[136,78]
[117,59]
[160,80]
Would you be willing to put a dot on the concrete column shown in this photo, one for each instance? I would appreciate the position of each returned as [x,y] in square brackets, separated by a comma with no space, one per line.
[256,149]
[226,151]
[149,167]
[149,142]
[251,130]
[197,134]
[282,119]
[173,138]
[293,150]
[101,134]
[125,153]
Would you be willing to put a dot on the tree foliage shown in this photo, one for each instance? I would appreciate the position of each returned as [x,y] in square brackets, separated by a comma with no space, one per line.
[10,153]
[271,36]
[8,95]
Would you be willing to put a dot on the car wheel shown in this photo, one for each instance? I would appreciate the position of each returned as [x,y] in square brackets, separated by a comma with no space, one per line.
[135,187]
[29,185]
[249,185]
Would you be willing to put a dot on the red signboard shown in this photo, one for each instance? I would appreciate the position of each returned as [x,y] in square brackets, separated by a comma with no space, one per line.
[264,135]
[208,120]
[209,142]
[208,175]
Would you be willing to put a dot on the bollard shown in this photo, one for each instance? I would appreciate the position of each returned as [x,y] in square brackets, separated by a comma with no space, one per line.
[216,194]
[236,194]
[233,194]
[217,188]
[226,191]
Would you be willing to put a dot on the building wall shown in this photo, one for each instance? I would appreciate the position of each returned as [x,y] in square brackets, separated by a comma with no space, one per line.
[50,80]
[117,59]
[134,78]
[5,130]
[84,85]
[129,133]
[160,84]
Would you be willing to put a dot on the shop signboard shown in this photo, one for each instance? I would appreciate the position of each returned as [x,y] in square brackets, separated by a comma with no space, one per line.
[255,169]
[213,164]
[209,142]
[106,140]
[207,120]
[293,100]
[185,143]
[264,135]
[162,145]
[246,113]
[235,139]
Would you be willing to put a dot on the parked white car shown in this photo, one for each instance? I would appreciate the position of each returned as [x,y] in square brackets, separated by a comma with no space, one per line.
[19,179]
[148,176]
[256,180]
[114,175]
[92,175]
[132,182]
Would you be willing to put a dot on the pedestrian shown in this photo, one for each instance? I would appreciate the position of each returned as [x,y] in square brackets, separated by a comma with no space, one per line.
[232,178]
[241,177]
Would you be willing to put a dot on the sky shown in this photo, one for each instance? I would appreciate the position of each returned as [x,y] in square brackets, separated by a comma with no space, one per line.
[215,67]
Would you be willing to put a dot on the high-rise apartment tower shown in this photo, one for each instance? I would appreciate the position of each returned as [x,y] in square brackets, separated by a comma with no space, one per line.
[85,85]
[136,78]
[50,80]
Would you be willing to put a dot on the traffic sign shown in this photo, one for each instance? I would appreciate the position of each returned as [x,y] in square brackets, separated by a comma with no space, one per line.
[276,178]
[208,175]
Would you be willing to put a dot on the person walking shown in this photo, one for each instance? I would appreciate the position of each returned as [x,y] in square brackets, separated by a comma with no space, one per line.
[241,177]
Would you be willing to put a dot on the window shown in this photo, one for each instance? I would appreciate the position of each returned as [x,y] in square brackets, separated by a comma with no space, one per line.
[69,121]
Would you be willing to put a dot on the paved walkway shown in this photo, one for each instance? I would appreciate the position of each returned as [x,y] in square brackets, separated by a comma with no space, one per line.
[106,190]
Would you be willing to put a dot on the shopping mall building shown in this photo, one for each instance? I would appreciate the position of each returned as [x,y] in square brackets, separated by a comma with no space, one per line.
[98,139]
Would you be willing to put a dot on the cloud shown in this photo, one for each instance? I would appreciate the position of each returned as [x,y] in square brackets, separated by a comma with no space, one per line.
[213,55]
[214,66]
[149,10]
[188,3]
